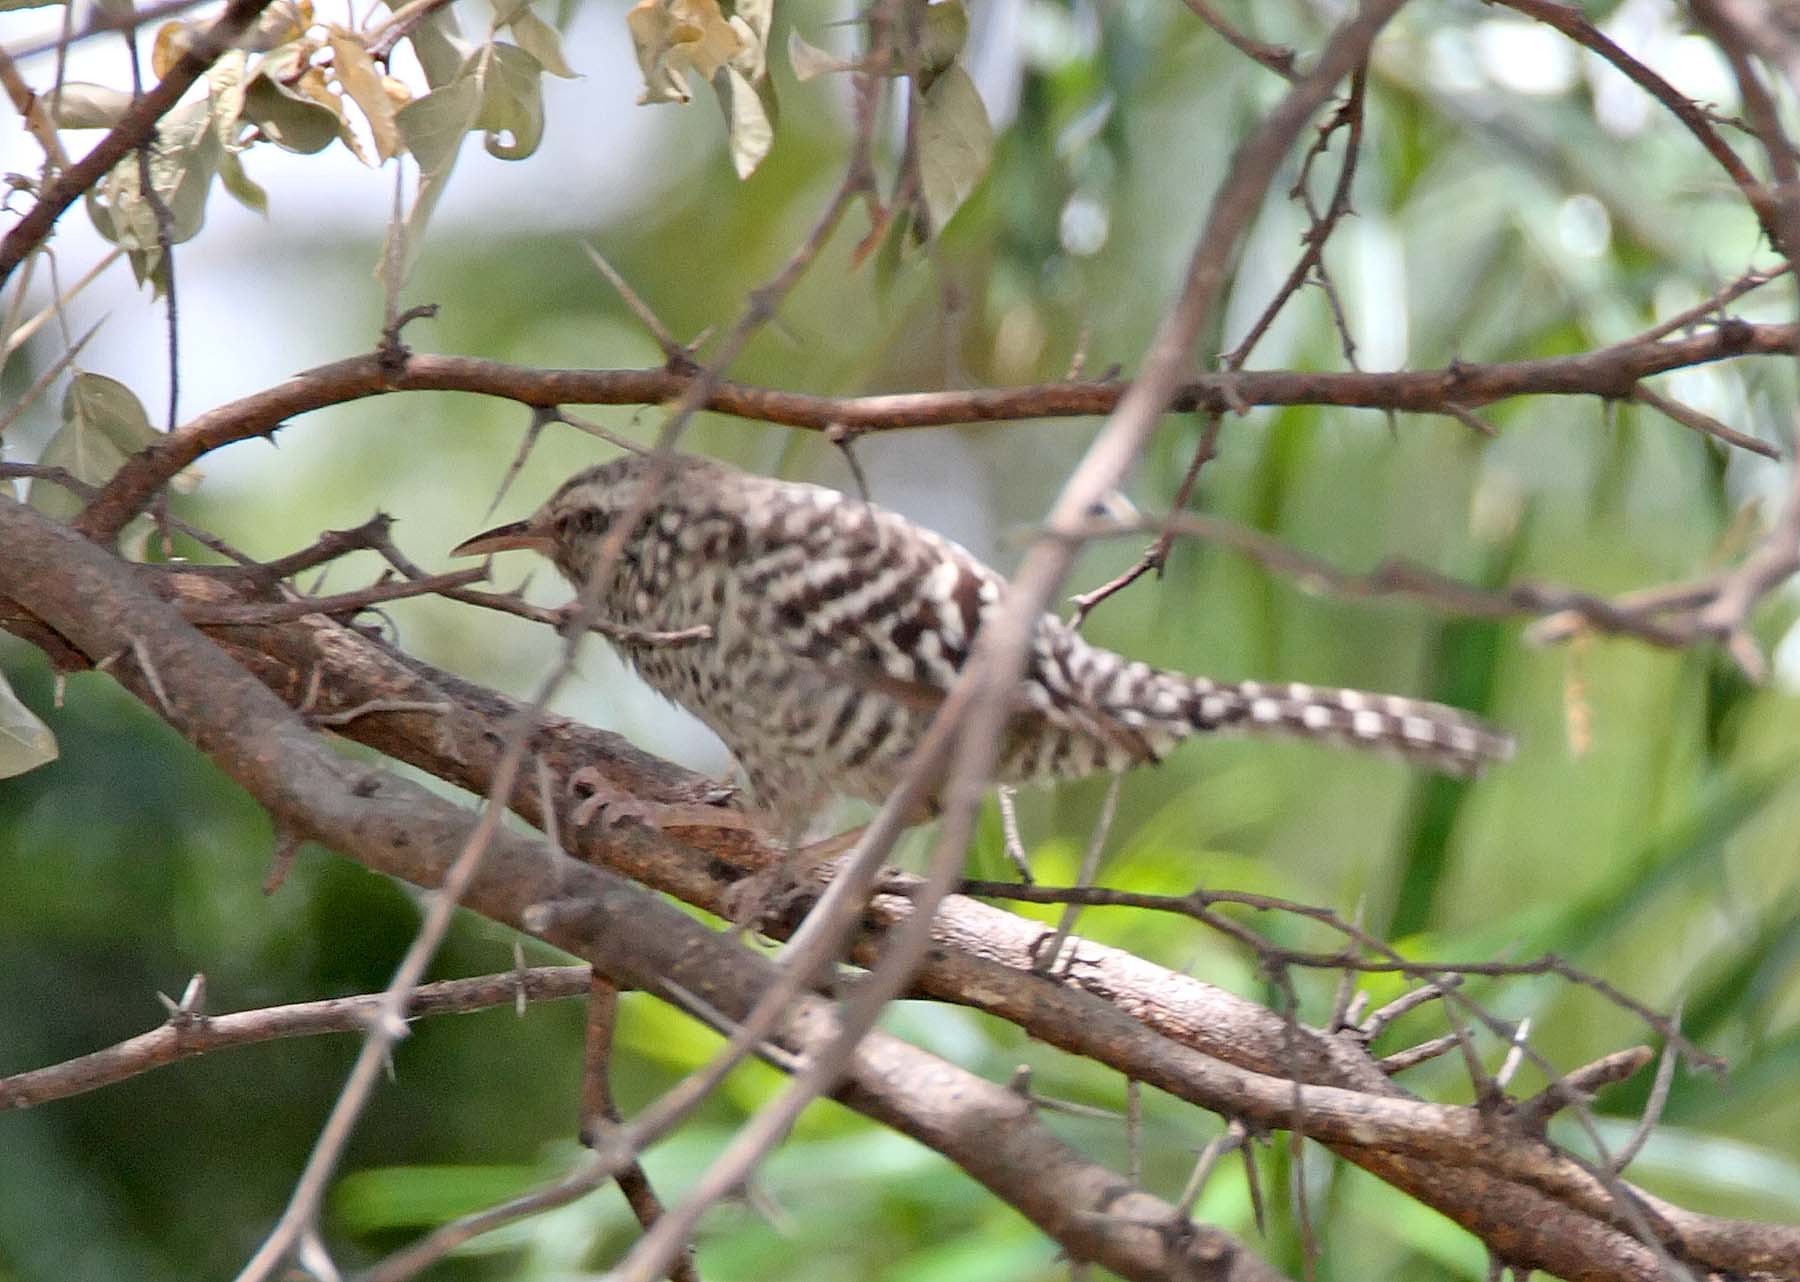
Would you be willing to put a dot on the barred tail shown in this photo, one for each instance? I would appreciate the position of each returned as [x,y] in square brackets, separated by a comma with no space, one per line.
[1431,734]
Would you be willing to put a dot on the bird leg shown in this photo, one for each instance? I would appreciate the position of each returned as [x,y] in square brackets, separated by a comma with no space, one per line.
[770,892]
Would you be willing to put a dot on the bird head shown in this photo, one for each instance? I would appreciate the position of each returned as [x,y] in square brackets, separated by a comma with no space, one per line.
[572,525]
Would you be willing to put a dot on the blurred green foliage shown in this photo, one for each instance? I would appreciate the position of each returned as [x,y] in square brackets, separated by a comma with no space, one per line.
[1646,830]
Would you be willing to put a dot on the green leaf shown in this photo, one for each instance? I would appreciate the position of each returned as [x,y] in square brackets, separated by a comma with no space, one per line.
[439,46]
[956,144]
[435,125]
[25,742]
[103,423]
[433,128]
[242,187]
[512,100]
[946,32]
[1691,848]
[541,40]
[809,61]
[182,166]
[108,406]
[7,6]
[286,116]
[385,1199]
[85,106]
[749,131]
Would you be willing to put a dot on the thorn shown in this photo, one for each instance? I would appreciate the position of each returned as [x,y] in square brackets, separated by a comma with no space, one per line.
[390,350]
[315,1259]
[281,860]
[679,357]
[1515,1055]
[539,417]
[391,1026]
[142,654]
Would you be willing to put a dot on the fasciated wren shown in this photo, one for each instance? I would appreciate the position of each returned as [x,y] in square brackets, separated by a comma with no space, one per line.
[835,627]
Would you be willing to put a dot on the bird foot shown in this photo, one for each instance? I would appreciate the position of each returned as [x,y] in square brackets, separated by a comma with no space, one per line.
[771,893]
[601,800]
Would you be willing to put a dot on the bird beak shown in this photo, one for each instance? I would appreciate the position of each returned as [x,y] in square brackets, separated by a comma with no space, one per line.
[504,538]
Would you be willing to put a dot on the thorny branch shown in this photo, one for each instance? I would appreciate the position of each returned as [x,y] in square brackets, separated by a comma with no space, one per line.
[1671,616]
[1362,951]
[1611,373]
[187,1033]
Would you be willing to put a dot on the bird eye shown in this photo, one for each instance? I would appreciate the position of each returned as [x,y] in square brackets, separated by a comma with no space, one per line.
[582,522]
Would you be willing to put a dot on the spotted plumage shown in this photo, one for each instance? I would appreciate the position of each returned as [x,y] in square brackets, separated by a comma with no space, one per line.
[836,626]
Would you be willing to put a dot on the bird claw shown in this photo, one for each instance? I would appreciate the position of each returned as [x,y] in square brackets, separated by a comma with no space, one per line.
[771,894]
[767,896]
[612,806]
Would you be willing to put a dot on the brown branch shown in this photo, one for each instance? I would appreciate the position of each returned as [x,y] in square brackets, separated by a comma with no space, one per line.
[1713,308]
[1199,905]
[1576,1087]
[1774,559]
[341,603]
[401,26]
[1705,424]
[1626,615]
[1349,114]
[187,1034]
[1610,372]
[134,128]
[1277,58]
[599,1111]
[1730,24]
[1156,556]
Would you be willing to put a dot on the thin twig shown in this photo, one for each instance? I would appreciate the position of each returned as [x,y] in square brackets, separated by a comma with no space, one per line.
[182,1039]
[254,613]
[1277,58]
[678,355]
[1705,424]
